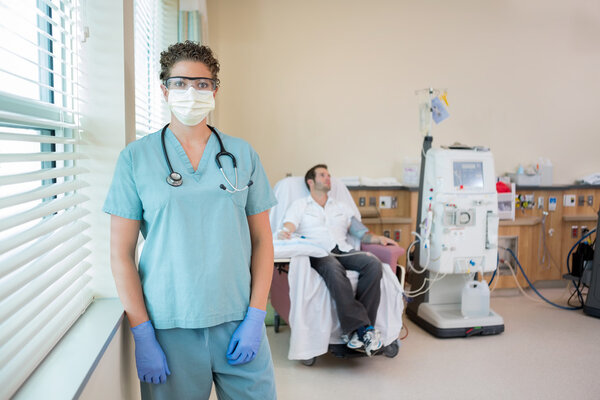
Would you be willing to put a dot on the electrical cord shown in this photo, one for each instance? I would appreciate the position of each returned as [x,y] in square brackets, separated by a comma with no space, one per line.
[542,242]
[514,275]
[426,227]
[406,329]
[493,276]
[573,294]
[409,263]
[545,252]
[420,291]
[533,287]
[575,245]
[579,295]
[495,271]
[351,254]
[492,288]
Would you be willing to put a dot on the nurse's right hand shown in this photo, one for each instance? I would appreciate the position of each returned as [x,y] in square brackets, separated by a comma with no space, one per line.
[150,359]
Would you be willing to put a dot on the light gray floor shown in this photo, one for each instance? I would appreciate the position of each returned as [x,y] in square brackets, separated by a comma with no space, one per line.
[544,353]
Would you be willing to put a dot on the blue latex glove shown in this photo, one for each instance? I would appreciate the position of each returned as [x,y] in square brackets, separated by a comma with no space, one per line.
[246,339]
[149,357]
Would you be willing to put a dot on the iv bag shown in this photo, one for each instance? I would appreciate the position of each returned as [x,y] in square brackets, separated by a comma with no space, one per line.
[425,118]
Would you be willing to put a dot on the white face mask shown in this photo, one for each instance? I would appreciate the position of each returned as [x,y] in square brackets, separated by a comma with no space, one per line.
[191,106]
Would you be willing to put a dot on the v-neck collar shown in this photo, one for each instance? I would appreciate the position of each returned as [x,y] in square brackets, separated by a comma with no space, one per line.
[183,156]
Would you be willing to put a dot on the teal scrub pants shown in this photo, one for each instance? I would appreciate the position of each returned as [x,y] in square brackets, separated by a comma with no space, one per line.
[197,358]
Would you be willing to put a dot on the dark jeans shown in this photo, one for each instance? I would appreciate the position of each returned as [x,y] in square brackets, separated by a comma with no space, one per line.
[352,311]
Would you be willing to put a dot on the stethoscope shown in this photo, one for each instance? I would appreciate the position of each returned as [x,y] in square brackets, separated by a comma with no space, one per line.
[175,179]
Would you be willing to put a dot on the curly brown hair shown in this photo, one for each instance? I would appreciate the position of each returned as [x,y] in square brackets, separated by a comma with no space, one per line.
[191,51]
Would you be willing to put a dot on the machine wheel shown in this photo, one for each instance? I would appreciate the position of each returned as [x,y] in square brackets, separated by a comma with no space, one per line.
[391,350]
[310,362]
[276,322]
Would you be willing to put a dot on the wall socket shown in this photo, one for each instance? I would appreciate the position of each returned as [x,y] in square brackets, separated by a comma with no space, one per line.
[385,201]
[590,200]
[569,200]
[551,203]
[507,242]
[540,202]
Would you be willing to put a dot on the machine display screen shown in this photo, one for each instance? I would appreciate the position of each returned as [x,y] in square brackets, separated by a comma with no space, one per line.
[468,174]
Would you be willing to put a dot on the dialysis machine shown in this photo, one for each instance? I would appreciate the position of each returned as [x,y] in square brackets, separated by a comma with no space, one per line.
[457,225]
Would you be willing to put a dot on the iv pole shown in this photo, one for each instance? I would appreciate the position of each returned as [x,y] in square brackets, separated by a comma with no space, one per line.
[417,280]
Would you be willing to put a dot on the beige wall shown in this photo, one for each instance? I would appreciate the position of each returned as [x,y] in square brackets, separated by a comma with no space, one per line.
[302,78]
[115,376]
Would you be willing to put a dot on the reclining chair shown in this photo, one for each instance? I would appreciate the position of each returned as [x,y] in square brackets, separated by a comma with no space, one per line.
[299,294]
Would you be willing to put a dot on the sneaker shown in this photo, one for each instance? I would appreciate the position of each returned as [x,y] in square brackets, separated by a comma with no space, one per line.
[372,341]
[355,343]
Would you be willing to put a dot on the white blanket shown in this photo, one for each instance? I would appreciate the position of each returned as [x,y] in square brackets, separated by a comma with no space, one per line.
[313,318]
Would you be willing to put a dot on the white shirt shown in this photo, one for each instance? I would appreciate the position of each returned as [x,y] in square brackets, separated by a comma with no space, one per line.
[327,226]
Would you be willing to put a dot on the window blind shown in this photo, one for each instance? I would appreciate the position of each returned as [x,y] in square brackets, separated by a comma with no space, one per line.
[155,28]
[44,285]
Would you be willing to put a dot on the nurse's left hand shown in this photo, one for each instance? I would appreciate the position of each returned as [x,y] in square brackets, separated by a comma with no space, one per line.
[245,341]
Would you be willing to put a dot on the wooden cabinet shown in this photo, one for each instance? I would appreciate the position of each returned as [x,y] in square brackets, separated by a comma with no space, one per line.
[525,230]
[545,237]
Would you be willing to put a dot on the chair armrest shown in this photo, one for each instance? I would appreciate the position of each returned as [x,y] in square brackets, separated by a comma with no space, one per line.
[387,254]
[401,274]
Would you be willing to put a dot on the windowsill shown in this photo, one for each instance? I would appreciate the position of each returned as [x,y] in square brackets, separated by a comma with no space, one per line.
[67,368]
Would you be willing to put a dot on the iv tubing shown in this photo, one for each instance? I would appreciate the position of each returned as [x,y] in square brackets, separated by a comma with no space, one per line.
[533,287]
[579,295]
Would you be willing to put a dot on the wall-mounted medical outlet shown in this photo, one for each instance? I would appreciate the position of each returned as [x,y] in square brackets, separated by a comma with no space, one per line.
[385,201]
[590,200]
[574,231]
[552,203]
[362,202]
[386,234]
[397,235]
[581,200]
[569,200]
[529,200]
[373,201]
[394,202]
[506,261]
[524,201]
[540,202]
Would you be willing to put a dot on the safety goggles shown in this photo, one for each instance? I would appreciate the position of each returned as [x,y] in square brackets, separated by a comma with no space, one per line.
[184,83]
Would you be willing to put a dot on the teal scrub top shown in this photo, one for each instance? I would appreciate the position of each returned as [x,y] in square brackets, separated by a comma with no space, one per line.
[195,263]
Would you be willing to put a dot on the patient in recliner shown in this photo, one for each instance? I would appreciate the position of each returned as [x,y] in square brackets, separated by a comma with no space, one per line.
[327,222]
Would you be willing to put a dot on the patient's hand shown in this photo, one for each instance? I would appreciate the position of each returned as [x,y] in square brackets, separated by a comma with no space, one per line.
[284,235]
[387,241]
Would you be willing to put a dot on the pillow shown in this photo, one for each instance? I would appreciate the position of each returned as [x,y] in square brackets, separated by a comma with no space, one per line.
[297,247]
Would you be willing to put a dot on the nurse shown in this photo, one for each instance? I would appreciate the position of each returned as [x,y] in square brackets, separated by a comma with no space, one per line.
[196,301]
